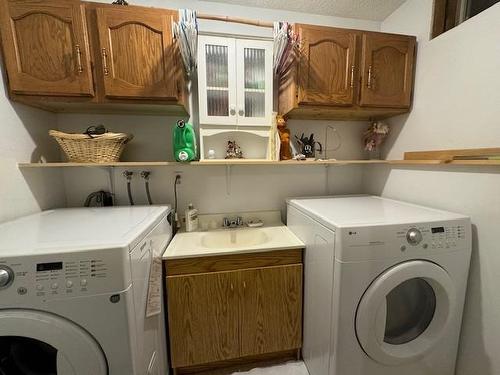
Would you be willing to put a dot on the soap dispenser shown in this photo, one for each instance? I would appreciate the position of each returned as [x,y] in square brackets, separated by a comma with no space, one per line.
[191,218]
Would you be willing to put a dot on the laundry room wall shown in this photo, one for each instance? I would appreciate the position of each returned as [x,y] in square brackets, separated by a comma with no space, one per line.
[24,138]
[218,189]
[456,105]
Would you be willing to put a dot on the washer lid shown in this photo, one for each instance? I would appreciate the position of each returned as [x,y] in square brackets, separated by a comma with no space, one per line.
[59,346]
[364,210]
[78,229]
[405,311]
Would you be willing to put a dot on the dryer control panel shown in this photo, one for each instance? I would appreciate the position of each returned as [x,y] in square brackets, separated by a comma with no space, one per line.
[439,236]
[404,240]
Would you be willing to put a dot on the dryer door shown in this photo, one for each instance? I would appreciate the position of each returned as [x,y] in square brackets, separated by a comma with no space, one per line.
[33,342]
[404,312]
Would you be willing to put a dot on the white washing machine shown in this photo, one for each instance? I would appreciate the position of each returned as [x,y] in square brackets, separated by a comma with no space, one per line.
[73,292]
[385,283]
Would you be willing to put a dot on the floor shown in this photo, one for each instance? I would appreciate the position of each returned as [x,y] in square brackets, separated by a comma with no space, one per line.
[289,368]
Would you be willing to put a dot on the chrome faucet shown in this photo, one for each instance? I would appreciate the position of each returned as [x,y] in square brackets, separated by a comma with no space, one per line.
[232,222]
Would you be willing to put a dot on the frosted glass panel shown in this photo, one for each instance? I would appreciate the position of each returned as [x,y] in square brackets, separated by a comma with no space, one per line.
[217,103]
[255,82]
[217,80]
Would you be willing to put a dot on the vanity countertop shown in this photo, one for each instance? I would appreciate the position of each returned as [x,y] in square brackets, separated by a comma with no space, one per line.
[231,241]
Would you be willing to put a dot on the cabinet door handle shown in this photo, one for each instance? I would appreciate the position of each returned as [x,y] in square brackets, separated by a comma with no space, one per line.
[244,284]
[369,83]
[352,76]
[232,111]
[232,287]
[241,112]
[79,59]
[105,61]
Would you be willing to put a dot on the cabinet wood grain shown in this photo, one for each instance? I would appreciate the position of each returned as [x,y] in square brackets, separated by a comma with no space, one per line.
[249,311]
[387,65]
[136,51]
[327,67]
[45,47]
[271,309]
[232,262]
[345,74]
[203,314]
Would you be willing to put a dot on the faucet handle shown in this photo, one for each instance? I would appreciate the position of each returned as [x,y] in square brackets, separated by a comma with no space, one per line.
[226,223]
[239,221]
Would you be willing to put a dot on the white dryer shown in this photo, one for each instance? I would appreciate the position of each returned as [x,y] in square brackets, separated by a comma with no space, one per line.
[73,292]
[385,283]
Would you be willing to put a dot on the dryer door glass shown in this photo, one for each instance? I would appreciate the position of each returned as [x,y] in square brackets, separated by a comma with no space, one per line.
[410,309]
[405,311]
[22,355]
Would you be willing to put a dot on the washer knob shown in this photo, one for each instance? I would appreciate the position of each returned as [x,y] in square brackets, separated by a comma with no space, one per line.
[6,276]
[414,236]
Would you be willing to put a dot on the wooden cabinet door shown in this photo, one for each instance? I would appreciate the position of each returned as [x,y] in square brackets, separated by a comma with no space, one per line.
[327,67]
[387,66]
[271,309]
[138,53]
[203,317]
[45,47]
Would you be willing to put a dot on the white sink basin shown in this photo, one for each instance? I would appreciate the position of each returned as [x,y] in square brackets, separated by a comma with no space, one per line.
[231,241]
[234,238]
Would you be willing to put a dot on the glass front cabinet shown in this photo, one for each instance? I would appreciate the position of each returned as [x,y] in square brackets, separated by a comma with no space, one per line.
[235,81]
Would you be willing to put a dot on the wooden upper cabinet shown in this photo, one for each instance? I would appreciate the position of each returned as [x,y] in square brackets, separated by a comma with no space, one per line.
[45,47]
[327,69]
[137,52]
[387,64]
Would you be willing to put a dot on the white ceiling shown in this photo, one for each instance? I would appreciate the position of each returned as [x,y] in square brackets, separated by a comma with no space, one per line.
[375,10]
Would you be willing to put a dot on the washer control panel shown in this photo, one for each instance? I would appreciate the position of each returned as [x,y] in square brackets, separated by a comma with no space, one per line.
[65,275]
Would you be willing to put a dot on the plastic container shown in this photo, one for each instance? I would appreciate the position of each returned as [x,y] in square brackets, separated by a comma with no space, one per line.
[184,142]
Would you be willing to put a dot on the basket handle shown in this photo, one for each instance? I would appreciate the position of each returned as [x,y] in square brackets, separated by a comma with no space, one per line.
[95,130]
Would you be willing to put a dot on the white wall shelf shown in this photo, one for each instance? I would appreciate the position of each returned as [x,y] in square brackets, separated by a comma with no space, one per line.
[256,162]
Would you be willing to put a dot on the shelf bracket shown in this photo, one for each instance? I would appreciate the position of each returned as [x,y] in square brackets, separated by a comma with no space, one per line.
[228,180]
[327,180]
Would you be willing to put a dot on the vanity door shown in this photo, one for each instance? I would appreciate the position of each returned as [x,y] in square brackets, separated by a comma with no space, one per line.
[271,309]
[203,318]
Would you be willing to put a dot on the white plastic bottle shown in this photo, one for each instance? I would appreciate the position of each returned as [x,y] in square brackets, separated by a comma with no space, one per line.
[191,218]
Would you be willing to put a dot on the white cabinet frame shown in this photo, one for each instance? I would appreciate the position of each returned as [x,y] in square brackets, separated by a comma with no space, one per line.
[241,44]
[236,81]
[230,43]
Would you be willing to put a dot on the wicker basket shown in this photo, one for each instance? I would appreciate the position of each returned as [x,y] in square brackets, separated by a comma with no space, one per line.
[82,148]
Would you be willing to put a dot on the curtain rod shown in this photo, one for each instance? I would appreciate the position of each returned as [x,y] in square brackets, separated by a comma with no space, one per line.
[245,21]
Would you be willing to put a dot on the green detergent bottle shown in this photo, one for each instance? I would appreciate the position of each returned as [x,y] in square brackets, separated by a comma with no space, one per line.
[184,141]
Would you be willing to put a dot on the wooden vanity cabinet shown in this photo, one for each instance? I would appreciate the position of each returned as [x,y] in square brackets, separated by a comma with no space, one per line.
[348,74]
[234,309]
[45,47]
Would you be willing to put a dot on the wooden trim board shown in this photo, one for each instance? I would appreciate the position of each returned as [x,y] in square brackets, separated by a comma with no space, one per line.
[187,266]
[450,155]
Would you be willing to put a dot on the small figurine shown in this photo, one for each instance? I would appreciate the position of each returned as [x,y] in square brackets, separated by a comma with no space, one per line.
[284,133]
[233,151]
[375,135]
[308,145]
